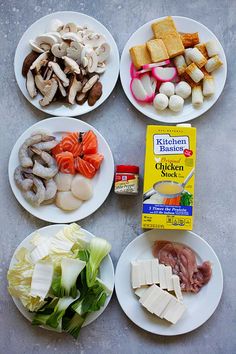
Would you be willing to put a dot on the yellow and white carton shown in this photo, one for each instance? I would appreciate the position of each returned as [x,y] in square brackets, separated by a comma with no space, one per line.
[168,194]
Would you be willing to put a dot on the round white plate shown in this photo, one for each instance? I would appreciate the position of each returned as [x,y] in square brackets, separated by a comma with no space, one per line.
[108,79]
[142,35]
[102,181]
[106,272]
[199,306]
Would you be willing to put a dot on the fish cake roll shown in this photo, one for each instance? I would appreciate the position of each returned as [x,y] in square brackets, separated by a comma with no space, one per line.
[197,57]
[194,72]
[197,96]
[212,48]
[213,64]
[208,86]
[180,64]
[186,56]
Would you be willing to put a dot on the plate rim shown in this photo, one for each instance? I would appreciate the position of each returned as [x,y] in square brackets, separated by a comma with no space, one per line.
[163,119]
[17,301]
[49,219]
[68,113]
[199,238]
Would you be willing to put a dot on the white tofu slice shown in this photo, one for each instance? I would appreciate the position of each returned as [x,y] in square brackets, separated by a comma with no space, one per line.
[150,290]
[174,312]
[170,307]
[161,303]
[162,276]
[148,271]
[140,291]
[155,271]
[169,281]
[135,278]
[142,273]
[177,289]
[152,299]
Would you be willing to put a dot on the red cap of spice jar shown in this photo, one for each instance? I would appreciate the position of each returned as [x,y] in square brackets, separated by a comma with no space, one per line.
[127,169]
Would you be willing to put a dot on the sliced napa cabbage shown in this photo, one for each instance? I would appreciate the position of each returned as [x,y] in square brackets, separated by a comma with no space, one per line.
[60,243]
[41,279]
[41,250]
[19,281]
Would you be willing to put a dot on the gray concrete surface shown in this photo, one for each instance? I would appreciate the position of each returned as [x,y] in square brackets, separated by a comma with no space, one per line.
[119,218]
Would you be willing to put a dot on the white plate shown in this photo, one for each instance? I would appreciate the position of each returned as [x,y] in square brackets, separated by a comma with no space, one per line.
[106,272]
[108,79]
[102,182]
[143,34]
[199,306]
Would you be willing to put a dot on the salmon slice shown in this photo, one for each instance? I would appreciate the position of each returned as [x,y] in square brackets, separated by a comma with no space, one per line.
[65,162]
[94,159]
[90,143]
[85,168]
[56,150]
[69,141]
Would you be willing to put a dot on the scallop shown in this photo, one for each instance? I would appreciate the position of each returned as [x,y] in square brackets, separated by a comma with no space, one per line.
[63,181]
[67,201]
[81,187]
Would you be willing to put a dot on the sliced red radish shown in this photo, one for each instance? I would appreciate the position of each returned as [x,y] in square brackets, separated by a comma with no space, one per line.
[155,65]
[133,71]
[164,74]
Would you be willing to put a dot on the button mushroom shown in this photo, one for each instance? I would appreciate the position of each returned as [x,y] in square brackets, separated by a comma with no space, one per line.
[90,83]
[69,27]
[92,59]
[59,50]
[103,52]
[45,41]
[74,51]
[94,40]
[70,36]
[35,47]
[100,68]
[59,73]
[74,88]
[71,64]
[50,91]
[55,24]
[30,85]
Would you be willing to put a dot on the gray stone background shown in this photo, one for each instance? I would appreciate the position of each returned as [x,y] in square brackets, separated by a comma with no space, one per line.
[119,218]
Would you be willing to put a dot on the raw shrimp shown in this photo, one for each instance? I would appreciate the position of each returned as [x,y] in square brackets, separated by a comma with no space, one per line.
[24,156]
[35,198]
[50,189]
[46,145]
[42,171]
[24,184]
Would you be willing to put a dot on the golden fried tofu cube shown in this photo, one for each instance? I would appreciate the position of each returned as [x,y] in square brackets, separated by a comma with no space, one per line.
[163,27]
[157,50]
[173,44]
[140,55]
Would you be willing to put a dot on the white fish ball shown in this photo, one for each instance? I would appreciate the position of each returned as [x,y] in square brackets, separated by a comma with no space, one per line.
[183,89]
[167,88]
[66,201]
[176,103]
[63,181]
[160,101]
[81,187]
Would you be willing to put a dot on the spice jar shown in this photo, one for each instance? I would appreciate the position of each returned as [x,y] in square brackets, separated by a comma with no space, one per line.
[126,179]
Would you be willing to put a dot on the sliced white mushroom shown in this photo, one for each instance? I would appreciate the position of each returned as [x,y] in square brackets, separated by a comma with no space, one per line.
[56,35]
[59,73]
[40,61]
[59,50]
[71,64]
[74,51]
[94,40]
[92,59]
[35,47]
[70,36]
[60,86]
[89,84]
[84,62]
[103,52]
[75,87]
[45,41]
[69,27]
[30,84]
[55,24]
[51,90]
[100,68]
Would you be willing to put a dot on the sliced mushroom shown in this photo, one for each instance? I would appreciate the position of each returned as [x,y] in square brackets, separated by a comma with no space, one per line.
[56,35]
[55,24]
[69,27]
[28,61]
[59,73]
[100,68]
[72,65]
[59,50]
[35,47]
[92,61]
[95,93]
[74,51]
[30,85]
[51,89]
[41,84]
[70,36]
[60,86]
[74,88]
[103,52]
[84,61]
[90,83]
[81,98]
[47,74]
[40,61]
[94,40]
[45,41]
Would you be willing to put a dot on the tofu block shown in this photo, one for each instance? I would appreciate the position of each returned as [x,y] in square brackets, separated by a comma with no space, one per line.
[177,289]
[173,44]
[135,275]
[161,303]
[150,290]
[155,271]
[163,27]
[168,276]
[140,291]
[140,56]
[141,270]
[174,311]
[147,264]
[153,297]
[157,50]
[162,276]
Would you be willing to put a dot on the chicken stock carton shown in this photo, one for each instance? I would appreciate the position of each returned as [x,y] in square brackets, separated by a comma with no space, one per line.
[168,194]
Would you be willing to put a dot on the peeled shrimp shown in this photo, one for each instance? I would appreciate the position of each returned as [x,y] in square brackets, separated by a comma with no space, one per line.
[35,198]
[24,156]
[46,145]
[50,189]
[42,171]
[24,184]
